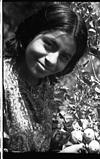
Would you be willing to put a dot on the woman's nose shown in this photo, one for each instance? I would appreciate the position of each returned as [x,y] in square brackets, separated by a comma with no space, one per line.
[51,59]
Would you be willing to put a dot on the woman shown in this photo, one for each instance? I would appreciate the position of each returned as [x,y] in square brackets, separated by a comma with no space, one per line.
[45,46]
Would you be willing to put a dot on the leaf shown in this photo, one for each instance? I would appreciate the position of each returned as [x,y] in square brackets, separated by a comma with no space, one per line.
[97,90]
[92,30]
[91,24]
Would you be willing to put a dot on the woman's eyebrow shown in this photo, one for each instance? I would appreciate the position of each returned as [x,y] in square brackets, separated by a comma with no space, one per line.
[51,40]
[55,36]
[60,35]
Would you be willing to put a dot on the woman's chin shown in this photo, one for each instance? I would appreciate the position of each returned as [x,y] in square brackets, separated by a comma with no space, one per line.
[39,75]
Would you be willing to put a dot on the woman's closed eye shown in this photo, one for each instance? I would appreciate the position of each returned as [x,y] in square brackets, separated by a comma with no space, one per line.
[50,44]
[64,57]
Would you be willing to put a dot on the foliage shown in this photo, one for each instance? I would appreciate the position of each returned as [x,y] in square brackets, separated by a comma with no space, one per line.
[81,88]
[78,93]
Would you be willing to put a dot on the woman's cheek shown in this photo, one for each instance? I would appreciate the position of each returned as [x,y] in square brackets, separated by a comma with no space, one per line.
[60,66]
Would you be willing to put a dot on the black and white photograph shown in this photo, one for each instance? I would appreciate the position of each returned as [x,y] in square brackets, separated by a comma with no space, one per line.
[51,77]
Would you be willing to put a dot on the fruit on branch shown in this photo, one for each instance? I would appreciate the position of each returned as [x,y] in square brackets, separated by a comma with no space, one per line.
[88,135]
[74,148]
[94,146]
[76,136]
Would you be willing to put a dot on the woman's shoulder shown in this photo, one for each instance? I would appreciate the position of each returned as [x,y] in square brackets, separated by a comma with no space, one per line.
[9,77]
[7,64]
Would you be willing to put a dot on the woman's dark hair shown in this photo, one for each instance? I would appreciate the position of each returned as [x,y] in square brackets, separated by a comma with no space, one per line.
[52,16]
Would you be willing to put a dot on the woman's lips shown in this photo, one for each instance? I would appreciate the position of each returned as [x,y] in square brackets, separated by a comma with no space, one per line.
[50,69]
[41,65]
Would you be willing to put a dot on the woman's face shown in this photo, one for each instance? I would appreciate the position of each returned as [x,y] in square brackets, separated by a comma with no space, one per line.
[49,53]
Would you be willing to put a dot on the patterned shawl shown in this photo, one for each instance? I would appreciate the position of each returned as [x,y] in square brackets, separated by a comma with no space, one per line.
[27,113]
